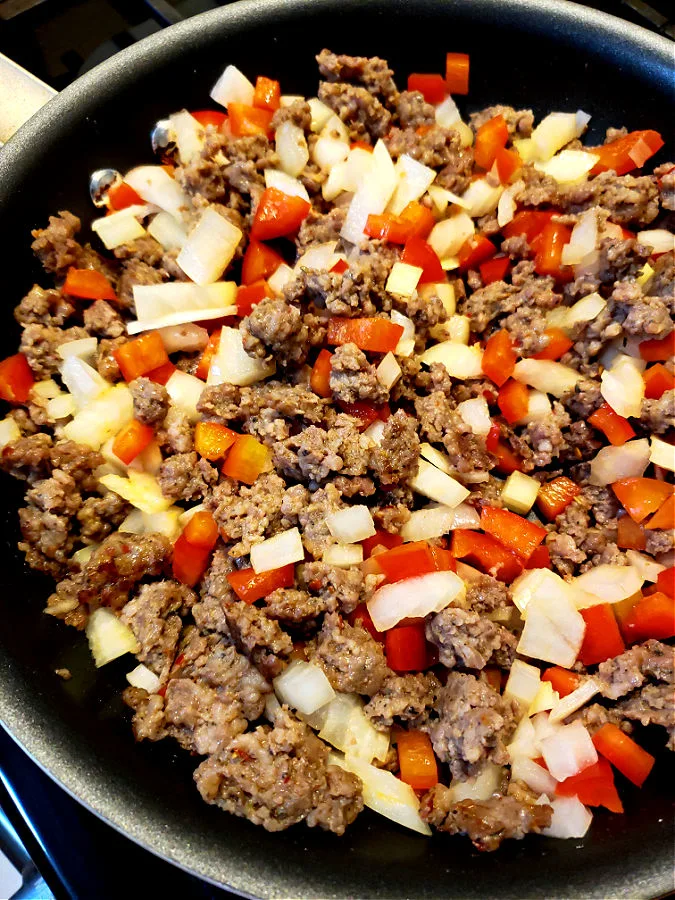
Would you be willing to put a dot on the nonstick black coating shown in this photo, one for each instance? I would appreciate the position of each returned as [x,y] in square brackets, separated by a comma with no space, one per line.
[547,55]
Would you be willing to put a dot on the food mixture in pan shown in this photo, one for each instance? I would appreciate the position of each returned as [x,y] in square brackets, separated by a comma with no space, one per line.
[354,423]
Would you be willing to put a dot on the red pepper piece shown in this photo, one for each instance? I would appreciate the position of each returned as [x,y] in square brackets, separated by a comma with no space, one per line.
[432,86]
[495,269]
[627,153]
[16,379]
[418,253]
[457,73]
[249,295]
[555,496]
[558,343]
[602,639]
[250,587]
[520,535]
[623,753]
[278,214]
[406,648]
[499,358]
[490,138]
[616,429]
[594,786]
[88,284]
[260,261]
[319,380]
[267,93]
[376,335]
[487,553]
[513,400]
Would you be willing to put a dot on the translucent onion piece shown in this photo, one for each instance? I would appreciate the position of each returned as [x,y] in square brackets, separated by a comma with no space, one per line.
[139,489]
[623,387]
[583,240]
[354,523]
[120,227]
[184,391]
[437,485]
[429,522]
[414,598]
[156,186]
[612,463]
[303,686]
[85,348]
[403,279]
[479,788]
[568,166]
[546,375]
[574,701]
[232,364]
[275,178]
[554,630]
[209,248]
[662,454]
[570,819]
[9,432]
[142,677]
[232,87]
[166,229]
[476,414]
[413,181]
[448,235]
[189,135]
[568,751]
[372,196]
[608,584]
[281,550]
[460,360]
[291,148]
[659,240]
[101,418]
[109,638]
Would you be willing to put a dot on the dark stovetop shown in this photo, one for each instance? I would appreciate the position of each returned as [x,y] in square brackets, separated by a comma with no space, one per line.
[78,855]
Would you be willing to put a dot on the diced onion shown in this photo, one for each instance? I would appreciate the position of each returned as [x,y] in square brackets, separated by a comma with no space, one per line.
[232,87]
[319,257]
[574,701]
[524,741]
[623,386]
[480,787]
[570,819]
[120,227]
[538,408]
[209,248]
[554,630]
[438,459]
[291,148]
[568,166]
[142,677]
[329,152]
[659,240]
[413,181]
[414,598]
[375,432]
[523,683]
[406,343]
[101,418]
[403,279]
[109,637]
[556,130]
[543,583]
[281,550]
[526,148]
[608,584]
[184,391]
[372,195]
[446,113]
[460,360]
[189,135]
[166,229]
[179,318]
[343,555]
[156,186]
[320,113]
[476,414]
[646,567]
[232,364]
[506,207]
[613,463]
[445,293]
[583,239]
[354,523]
[61,407]
[279,279]
[546,375]
[85,348]
[275,178]
[45,390]
[9,432]
[448,235]
[441,199]
[156,301]
[303,686]
[289,99]
[545,699]
[335,128]
[482,197]
[568,751]
[388,371]
[519,493]
[82,380]
[533,775]
[456,329]
[429,522]
[662,454]
[140,489]
[466,517]
[585,310]
[437,485]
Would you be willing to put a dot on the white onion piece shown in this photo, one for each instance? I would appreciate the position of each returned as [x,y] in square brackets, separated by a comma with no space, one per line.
[61,407]
[568,166]
[554,631]
[275,178]
[184,391]
[343,724]
[375,432]
[329,152]
[232,87]
[281,550]
[460,360]
[45,390]
[446,113]
[336,128]
[279,279]
[519,492]
[448,235]
[291,148]
[533,775]
[543,583]
[413,181]
[85,348]
[403,279]
[456,329]
[662,454]
[414,598]
[289,99]
[523,683]
[101,418]
[608,584]
[524,741]
[506,207]
[120,227]
[156,186]
[319,257]
[343,555]
[303,686]
[623,387]
[612,463]
[232,364]
[9,432]
[568,751]
[430,522]
[438,459]
[82,380]
[546,375]
[109,637]
[179,318]
[320,114]
[476,414]
[141,677]
[545,699]
[355,168]
[373,194]
[570,819]
[466,517]
[646,567]
[585,310]
[526,148]
[436,485]
[388,371]
[189,135]
[140,489]
[352,524]
[445,293]
[482,197]
[187,337]
[154,301]
[556,130]
[406,343]
[384,793]
[441,198]
[574,701]
[168,231]
[209,248]
[659,240]
[480,787]
[583,239]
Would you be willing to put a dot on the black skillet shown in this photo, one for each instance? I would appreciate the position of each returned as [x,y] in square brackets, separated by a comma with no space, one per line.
[547,55]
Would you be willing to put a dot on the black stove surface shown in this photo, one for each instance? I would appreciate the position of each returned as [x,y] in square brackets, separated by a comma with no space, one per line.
[61,849]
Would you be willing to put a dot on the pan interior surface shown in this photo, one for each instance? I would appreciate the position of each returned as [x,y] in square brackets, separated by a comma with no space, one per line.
[552,56]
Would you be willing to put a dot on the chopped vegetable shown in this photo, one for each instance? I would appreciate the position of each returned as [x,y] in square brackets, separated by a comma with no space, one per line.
[413,598]
[277,215]
[627,153]
[558,344]
[630,535]
[568,751]
[140,489]
[602,639]
[260,261]
[459,360]
[650,617]
[376,335]
[562,680]
[666,581]
[612,464]
[415,559]
[593,787]
[457,73]
[89,284]
[490,138]
[494,269]
[623,753]
[665,517]
[416,760]
[132,440]
[570,819]
[303,686]
[617,429]
[406,649]
[184,391]
[101,418]
[513,401]
[140,356]
[278,551]
[432,87]
[232,364]
[213,440]
[109,637]
[641,496]
[250,295]
[474,251]
[662,454]
[420,254]
[249,586]
[622,386]
[520,492]
[554,630]
[499,358]
[545,375]
[247,459]
[609,583]
[658,349]
[519,535]
[16,379]
[486,552]
[267,94]
[354,523]
[555,496]
[437,485]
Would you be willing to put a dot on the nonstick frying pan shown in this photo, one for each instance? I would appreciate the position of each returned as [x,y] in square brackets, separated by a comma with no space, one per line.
[547,55]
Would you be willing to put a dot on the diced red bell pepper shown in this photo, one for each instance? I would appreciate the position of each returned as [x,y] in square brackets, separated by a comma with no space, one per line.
[381,538]
[487,553]
[207,355]
[247,459]
[376,335]
[416,760]
[499,358]
[658,350]
[340,266]
[418,253]
[540,559]
[409,560]
[16,379]
[495,269]
[602,638]
[474,251]
[209,117]
[562,680]
[664,517]
[161,374]
[361,616]
[89,284]
[249,295]
[616,429]
[457,73]
[508,162]
[658,380]
[213,440]
[387,227]
[250,587]
[140,356]
[594,787]
[122,195]
[189,562]
[513,400]
[278,214]
[519,535]
[555,496]
[641,496]
[627,153]
[548,258]
[405,648]
[432,86]
[319,380]
[132,440]
[490,138]
[507,460]
[650,617]
[246,121]
[201,530]
[419,218]
[666,581]
[267,93]
[623,753]
[260,261]
[528,222]
[630,535]
[557,345]
[366,412]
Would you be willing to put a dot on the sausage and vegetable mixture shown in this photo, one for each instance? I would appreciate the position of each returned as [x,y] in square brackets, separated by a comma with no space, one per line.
[354,423]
